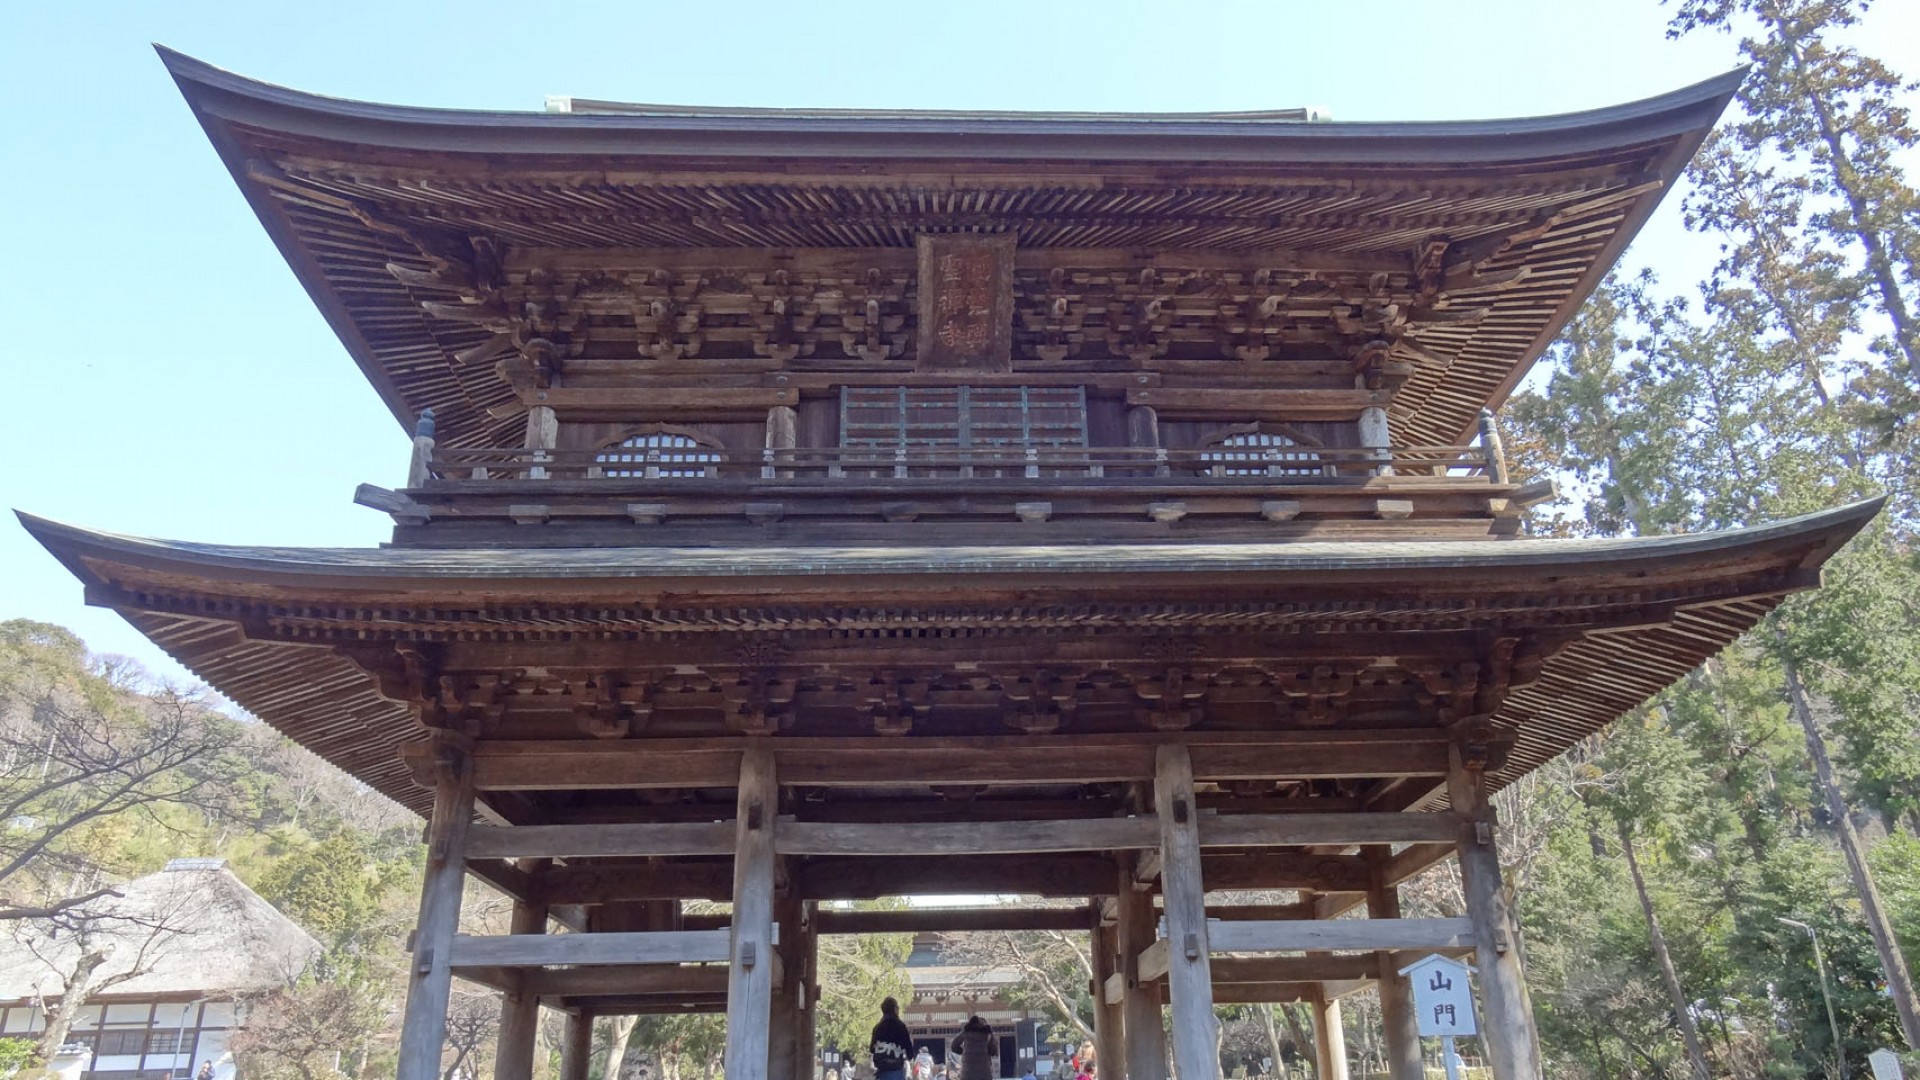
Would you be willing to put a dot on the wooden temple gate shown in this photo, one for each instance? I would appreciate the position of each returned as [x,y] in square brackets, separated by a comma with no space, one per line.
[810,507]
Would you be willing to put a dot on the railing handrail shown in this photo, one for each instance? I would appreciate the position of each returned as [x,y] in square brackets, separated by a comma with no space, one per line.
[1236,463]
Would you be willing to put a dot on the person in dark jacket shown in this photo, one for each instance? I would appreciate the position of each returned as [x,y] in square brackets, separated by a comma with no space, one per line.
[891,1045]
[976,1045]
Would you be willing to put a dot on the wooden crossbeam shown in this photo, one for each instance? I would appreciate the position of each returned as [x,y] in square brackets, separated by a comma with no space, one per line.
[977,838]
[507,765]
[1287,830]
[652,881]
[532,950]
[950,920]
[587,841]
[1317,934]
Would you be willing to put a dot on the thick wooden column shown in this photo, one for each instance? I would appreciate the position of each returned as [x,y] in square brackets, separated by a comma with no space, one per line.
[1109,1019]
[1396,994]
[806,1043]
[430,978]
[576,1046]
[1506,1014]
[1189,969]
[519,1012]
[783,1028]
[1145,1040]
[750,980]
[1329,1038]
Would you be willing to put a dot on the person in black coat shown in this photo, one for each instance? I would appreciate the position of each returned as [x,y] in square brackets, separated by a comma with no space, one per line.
[891,1045]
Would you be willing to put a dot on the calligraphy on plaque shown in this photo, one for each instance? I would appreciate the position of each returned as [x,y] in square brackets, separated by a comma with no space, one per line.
[966,303]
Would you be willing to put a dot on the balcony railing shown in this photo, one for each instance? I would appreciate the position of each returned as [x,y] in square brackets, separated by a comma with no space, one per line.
[1251,465]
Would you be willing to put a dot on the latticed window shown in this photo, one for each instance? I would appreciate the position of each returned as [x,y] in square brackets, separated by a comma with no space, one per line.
[656,454]
[1260,453]
[980,430]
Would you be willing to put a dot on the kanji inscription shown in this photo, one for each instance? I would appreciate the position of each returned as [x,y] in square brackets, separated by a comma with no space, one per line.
[966,302]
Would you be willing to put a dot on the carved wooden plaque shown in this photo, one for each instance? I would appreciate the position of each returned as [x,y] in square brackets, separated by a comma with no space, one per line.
[966,303]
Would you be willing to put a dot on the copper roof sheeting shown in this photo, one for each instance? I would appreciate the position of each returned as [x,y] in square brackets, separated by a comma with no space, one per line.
[1531,212]
[263,625]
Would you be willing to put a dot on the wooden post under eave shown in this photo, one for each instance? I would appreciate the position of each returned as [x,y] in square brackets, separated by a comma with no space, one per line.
[750,980]
[576,1046]
[1189,968]
[430,977]
[1145,1040]
[543,433]
[1396,993]
[806,1046]
[1109,1021]
[783,1028]
[1506,1014]
[519,1012]
[1329,1038]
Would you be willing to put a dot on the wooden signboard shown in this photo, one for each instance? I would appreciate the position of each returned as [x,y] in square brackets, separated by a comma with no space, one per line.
[966,303]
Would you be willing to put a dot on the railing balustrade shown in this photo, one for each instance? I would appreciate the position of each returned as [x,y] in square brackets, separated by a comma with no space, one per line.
[1204,466]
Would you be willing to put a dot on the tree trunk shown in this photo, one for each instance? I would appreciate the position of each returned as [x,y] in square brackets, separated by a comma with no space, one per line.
[1682,1012]
[1892,963]
[79,985]
[617,1045]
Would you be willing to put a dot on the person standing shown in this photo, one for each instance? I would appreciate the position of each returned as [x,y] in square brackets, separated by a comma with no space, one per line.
[891,1045]
[976,1046]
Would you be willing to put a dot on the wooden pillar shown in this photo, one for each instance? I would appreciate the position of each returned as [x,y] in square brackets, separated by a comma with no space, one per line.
[430,977]
[807,1044]
[750,979]
[783,434]
[1329,1038]
[519,1012]
[1143,433]
[1109,1020]
[576,1046]
[1505,1012]
[1189,967]
[1377,435]
[1144,1055]
[783,1028]
[1396,993]
[543,433]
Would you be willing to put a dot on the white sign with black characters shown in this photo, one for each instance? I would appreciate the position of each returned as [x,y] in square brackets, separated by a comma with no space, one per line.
[1886,1065]
[1442,996]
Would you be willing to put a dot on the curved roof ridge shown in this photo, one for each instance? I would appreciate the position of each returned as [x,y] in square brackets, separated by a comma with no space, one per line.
[1684,107]
[578,563]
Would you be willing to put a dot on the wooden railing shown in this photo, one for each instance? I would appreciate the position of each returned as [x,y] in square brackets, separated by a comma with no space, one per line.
[1252,465]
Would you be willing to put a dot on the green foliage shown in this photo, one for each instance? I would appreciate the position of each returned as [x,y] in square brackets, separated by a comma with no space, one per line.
[15,1055]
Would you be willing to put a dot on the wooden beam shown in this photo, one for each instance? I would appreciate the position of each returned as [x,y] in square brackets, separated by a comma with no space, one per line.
[1109,1015]
[603,884]
[1369,934]
[532,950]
[1397,1015]
[577,765]
[430,976]
[975,838]
[1228,970]
[750,985]
[1263,993]
[950,920]
[1290,830]
[691,979]
[590,841]
[1413,861]
[1189,980]
[1175,404]
[853,878]
[576,1045]
[1329,1037]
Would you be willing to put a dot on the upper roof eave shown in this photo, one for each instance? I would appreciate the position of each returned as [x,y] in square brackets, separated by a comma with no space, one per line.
[393,569]
[1249,139]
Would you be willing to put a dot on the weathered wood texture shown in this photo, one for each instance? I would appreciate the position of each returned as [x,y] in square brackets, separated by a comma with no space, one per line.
[1109,1015]
[430,978]
[950,920]
[1146,1045]
[750,987]
[1329,1038]
[1189,978]
[1396,994]
[519,1007]
[576,1045]
[1333,934]
[1506,1013]
[527,950]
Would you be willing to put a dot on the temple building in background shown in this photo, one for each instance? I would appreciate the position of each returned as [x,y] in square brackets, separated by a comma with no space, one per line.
[809,506]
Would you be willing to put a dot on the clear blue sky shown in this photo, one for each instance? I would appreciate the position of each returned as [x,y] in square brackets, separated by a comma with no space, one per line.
[166,376]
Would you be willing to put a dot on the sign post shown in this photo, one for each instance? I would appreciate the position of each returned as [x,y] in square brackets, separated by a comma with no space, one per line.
[1443,1003]
[1886,1065]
